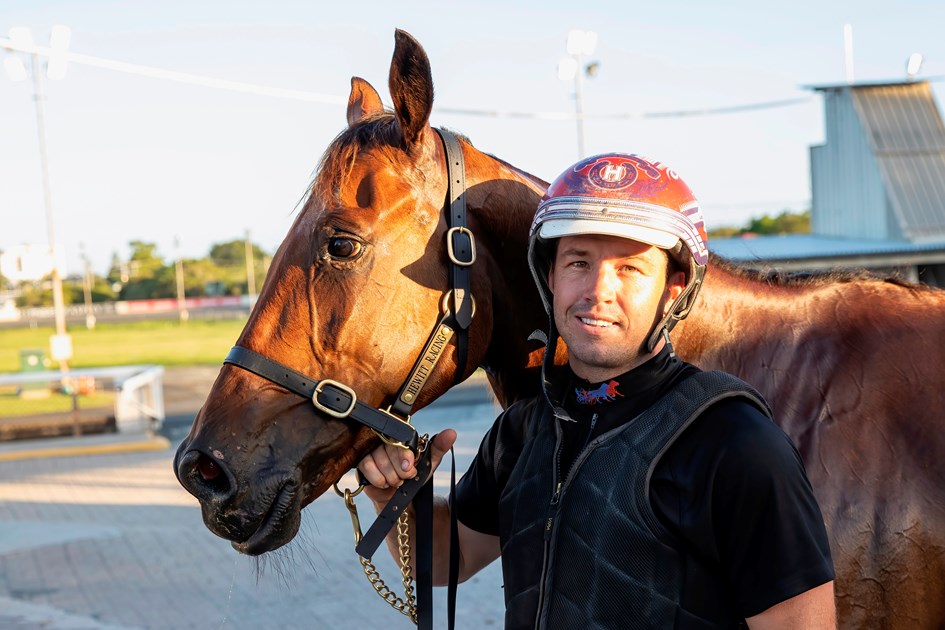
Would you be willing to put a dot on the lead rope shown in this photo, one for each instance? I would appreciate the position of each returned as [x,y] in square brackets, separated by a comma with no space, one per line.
[420,613]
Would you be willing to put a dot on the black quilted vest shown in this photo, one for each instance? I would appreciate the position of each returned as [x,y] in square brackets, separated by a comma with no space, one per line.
[593,555]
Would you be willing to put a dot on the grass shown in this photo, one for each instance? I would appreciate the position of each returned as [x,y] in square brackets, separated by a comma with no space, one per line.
[167,343]
[12,405]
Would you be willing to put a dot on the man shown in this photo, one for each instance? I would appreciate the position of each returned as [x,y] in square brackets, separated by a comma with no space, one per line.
[638,491]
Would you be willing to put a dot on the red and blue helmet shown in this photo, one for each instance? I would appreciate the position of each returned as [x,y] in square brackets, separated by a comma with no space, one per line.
[627,195]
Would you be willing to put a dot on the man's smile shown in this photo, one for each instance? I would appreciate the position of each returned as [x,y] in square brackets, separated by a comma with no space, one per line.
[599,323]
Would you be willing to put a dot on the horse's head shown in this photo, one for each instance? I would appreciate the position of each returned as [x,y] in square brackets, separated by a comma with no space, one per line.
[352,295]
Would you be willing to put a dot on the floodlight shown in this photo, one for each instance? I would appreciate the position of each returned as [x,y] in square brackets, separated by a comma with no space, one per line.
[15,68]
[21,38]
[581,42]
[58,43]
[913,65]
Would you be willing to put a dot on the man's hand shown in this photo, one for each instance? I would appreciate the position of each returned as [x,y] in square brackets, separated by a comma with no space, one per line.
[387,467]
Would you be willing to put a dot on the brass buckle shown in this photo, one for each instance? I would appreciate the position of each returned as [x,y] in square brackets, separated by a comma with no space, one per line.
[451,252]
[388,440]
[329,411]
[449,299]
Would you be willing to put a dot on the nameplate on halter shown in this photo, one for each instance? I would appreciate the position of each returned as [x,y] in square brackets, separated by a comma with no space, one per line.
[431,354]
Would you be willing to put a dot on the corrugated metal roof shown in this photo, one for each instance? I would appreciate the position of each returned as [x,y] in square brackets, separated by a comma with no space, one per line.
[907,135]
[804,246]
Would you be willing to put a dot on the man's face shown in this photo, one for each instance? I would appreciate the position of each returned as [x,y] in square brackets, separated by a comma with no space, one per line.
[609,292]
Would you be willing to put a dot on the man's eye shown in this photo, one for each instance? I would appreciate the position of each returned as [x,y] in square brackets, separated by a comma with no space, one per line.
[343,248]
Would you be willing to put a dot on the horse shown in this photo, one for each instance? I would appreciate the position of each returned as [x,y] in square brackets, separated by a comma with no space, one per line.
[852,366]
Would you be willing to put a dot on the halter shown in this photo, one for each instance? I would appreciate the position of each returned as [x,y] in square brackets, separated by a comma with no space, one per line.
[392,424]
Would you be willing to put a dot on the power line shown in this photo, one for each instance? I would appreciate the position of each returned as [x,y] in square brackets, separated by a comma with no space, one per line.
[303,95]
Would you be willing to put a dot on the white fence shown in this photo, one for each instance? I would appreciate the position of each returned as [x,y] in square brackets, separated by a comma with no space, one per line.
[139,391]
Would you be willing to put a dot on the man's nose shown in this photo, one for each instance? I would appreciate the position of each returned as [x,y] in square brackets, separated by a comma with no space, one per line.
[603,285]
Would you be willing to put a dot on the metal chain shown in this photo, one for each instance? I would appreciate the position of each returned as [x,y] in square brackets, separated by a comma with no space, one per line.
[408,604]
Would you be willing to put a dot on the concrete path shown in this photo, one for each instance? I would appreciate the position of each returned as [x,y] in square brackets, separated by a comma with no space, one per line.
[110,541]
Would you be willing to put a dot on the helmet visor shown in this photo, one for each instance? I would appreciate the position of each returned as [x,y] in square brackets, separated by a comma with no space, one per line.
[556,228]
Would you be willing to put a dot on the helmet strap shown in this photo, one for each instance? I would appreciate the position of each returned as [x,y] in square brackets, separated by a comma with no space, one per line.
[547,369]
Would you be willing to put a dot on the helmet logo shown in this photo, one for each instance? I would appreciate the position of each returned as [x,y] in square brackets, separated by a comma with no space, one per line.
[615,172]
[612,174]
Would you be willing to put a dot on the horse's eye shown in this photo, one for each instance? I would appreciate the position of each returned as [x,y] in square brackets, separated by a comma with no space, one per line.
[343,248]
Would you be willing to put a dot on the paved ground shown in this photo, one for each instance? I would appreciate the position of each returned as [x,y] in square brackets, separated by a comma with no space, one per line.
[102,537]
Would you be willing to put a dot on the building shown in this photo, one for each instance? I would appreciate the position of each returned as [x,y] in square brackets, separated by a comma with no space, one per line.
[877,188]
[26,263]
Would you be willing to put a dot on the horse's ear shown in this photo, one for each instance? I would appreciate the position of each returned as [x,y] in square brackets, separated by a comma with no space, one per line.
[363,101]
[411,87]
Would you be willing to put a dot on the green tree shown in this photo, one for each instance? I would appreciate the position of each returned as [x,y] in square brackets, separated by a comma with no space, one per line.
[230,257]
[787,222]
[148,276]
[234,253]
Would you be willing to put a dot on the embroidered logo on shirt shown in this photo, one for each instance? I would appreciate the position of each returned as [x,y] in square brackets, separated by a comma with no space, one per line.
[605,393]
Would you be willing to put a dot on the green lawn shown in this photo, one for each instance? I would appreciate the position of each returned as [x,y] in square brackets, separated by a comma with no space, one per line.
[12,405]
[199,342]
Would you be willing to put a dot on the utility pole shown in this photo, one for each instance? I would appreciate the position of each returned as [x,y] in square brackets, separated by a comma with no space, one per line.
[250,271]
[22,40]
[580,45]
[181,298]
[87,290]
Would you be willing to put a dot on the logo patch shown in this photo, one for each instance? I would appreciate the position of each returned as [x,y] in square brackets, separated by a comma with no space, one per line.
[605,393]
[616,172]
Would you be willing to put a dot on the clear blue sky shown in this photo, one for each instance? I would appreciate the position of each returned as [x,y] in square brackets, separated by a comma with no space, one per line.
[140,158]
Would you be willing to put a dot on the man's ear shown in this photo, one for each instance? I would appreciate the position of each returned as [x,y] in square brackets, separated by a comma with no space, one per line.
[674,288]
[551,277]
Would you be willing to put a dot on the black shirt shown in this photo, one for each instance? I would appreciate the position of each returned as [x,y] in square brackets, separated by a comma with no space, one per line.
[732,487]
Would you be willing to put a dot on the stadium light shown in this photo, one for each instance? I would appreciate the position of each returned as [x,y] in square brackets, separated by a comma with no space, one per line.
[579,45]
[21,41]
[913,65]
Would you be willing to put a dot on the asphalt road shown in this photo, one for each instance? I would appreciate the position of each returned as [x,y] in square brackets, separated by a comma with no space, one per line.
[99,541]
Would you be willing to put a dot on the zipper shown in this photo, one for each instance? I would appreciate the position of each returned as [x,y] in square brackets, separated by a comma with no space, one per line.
[552,511]
[590,432]
[549,522]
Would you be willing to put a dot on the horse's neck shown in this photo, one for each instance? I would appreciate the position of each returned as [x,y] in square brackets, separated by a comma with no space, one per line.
[733,313]
[503,202]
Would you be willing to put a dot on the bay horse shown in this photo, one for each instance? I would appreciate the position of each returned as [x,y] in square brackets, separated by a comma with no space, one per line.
[853,367]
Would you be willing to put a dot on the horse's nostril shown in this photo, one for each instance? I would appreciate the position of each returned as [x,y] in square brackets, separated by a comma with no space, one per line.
[208,468]
[204,477]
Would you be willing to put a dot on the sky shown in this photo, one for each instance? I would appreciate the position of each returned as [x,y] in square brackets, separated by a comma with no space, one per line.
[186,166]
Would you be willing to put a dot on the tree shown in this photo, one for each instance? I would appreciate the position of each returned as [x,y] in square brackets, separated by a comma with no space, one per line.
[788,222]
[148,276]
[230,257]
[234,253]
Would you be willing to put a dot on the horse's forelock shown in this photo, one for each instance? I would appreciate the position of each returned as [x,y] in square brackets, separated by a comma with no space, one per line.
[378,132]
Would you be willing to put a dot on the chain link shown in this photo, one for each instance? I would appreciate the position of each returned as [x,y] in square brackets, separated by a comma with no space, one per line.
[408,604]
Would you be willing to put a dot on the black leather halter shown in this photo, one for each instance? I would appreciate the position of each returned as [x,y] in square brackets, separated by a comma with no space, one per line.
[339,400]
[393,423]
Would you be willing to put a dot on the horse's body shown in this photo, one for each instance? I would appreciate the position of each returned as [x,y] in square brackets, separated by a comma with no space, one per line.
[853,369]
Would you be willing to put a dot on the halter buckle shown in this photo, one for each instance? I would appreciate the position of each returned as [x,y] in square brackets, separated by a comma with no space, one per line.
[451,249]
[389,441]
[449,306]
[331,412]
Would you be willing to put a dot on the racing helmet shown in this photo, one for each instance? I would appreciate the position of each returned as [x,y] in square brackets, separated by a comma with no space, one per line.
[628,195]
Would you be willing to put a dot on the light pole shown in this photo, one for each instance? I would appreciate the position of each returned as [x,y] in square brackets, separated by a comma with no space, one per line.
[181,298]
[21,40]
[580,45]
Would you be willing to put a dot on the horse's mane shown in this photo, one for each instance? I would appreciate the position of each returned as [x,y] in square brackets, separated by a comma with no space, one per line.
[774,277]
